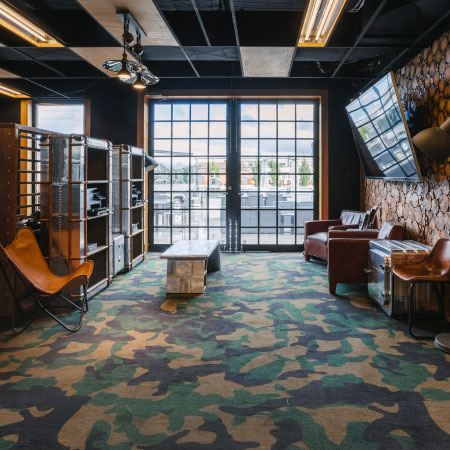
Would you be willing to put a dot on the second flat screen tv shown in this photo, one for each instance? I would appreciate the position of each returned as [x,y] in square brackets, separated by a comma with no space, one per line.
[382,135]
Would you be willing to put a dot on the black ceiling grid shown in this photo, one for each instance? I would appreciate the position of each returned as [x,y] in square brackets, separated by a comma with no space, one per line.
[210,33]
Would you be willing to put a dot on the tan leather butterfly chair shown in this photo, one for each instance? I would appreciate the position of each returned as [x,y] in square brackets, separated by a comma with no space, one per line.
[28,264]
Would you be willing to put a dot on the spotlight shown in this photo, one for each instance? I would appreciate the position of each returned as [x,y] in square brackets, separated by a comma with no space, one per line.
[138,84]
[124,73]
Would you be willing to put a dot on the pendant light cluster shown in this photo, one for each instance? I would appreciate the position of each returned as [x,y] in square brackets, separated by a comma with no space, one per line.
[131,72]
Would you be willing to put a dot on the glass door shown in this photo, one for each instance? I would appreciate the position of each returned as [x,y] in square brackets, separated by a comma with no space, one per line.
[240,171]
[190,140]
[278,162]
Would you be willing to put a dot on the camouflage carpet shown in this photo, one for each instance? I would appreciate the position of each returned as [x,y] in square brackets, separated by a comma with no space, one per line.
[267,359]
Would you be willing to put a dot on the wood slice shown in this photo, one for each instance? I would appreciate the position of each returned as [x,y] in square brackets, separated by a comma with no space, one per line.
[447,74]
[432,68]
[434,47]
[429,58]
[447,55]
[438,56]
[436,78]
[442,66]
[444,44]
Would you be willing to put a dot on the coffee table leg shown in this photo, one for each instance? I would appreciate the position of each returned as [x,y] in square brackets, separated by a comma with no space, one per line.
[214,260]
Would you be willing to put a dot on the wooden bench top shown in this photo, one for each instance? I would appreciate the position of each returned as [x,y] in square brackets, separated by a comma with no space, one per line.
[191,249]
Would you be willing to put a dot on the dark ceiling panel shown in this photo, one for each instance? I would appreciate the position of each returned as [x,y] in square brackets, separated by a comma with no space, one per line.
[27,69]
[77,69]
[212,53]
[219,28]
[218,68]
[240,5]
[170,68]
[163,53]
[187,35]
[268,29]
[41,54]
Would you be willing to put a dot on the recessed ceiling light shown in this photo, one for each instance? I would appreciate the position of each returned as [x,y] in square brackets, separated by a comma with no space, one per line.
[15,22]
[319,21]
[5,90]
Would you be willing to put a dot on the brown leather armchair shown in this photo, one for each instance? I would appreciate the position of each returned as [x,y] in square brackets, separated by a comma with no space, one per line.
[348,252]
[316,232]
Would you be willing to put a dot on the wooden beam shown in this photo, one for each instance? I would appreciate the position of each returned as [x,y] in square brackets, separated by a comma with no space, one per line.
[87,117]
[148,16]
[6,74]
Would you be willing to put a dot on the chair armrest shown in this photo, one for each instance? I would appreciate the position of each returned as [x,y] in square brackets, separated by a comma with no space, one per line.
[347,259]
[84,272]
[357,234]
[317,226]
[344,227]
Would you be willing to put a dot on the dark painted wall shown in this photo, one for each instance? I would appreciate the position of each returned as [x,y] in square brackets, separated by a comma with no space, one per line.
[114,113]
[9,110]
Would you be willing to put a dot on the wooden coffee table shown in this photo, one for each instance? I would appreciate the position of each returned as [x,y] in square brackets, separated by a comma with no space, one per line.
[188,263]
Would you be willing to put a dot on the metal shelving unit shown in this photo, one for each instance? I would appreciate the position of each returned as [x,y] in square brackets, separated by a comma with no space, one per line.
[76,210]
[20,196]
[129,201]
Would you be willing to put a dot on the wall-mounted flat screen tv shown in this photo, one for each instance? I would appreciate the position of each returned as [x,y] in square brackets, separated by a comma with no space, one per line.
[382,135]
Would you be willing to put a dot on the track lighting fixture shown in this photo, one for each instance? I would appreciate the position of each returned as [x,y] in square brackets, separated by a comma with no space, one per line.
[131,72]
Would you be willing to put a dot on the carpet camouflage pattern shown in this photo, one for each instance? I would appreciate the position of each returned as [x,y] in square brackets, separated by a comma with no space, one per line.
[267,359]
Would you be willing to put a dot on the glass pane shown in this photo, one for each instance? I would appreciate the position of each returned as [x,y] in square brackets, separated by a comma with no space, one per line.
[305,147]
[267,200]
[199,233]
[267,217]
[162,182]
[249,112]
[268,147]
[305,165]
[305,199]
[267,129]
[199,182]
[300,235]
[199,147]
[286,183]
[161,147]
[249,218]
[198,200]
[180,147]
[181,112]
[162,130]
[181,129]
[249,147]
[286,165]
[161,200]
[179,200]
[286,112]
[180,217]
[218,234]
[217,112]
[286,236]
[199,164]
[199,218]
[268,165]
[305,182]
[217,130]
[286,130]
[249,235]
[304,216]
[268,112]
[268,236]
[162,218]
[217,200]
[199,129]
[217,147]
[161,235]
[217,218]
[286,147]
[217,165]
[305,112]
[249,165]
[286,218]
[180,234]
[180,182]
[164,165]
[305,129]
[61,118]
[180,165]
[162,112]
[199,112]
[217,182]
[249,129]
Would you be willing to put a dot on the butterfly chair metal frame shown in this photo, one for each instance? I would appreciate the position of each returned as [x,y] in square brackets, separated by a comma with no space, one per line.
[43,285]
[433,269]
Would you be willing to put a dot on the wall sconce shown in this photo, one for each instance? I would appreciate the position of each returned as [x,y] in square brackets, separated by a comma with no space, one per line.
[435,142]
